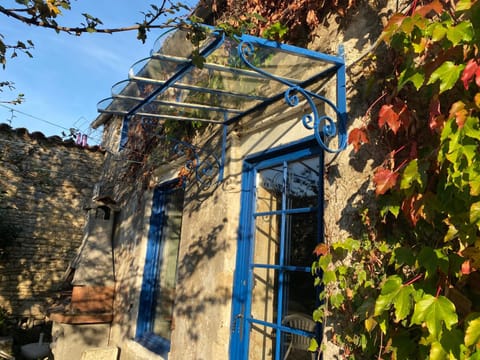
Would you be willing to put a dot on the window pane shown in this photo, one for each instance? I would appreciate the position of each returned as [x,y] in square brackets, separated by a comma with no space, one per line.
[262,343]
[300,293]
[302,185]
[167,264]
[269,189]
[267,239]
[302,238]
[264,299]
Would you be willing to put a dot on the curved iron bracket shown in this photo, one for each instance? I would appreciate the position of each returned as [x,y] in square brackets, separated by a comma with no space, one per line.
[323,126]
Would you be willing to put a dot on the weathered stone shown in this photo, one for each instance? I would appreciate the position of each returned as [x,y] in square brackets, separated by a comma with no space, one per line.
[43,183]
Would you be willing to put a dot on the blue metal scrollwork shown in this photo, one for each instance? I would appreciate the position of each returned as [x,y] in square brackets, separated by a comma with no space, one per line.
[323,126]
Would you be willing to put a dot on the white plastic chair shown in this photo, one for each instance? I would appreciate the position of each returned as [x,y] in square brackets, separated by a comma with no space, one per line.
[298,342]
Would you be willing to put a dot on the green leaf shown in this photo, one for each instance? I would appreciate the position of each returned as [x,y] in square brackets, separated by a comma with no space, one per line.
[471,128]
[361,276]
[390,203]
[348,244]
[442,260]
[411,175]
[463,5]
[410,74]
[448,74]
[475,213]
[403,345]
[437,352]
[325,261]
[438,31]
[404,256]
[313,345]
[474,184]
[470,152]
[472,333]
[463,32]
[403,302]
[383,321]
[318,315]
[396,294]
[329,277]
[337,300]
[435,312]
[453,344]
[389,290]
[428,259]
[451,233]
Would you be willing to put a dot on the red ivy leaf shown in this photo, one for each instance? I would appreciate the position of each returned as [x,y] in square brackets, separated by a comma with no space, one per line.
[435,6]
[395,115]
[388,116]
[384,180]
[466,267]
[412,207]
[321,249]
[403,113]
[436,119]
[477,76]
[358,137]
[468,73]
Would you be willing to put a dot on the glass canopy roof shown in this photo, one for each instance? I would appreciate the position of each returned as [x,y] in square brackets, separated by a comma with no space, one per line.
[238,75]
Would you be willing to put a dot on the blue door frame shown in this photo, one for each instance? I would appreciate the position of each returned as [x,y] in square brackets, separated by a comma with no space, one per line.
[241,320]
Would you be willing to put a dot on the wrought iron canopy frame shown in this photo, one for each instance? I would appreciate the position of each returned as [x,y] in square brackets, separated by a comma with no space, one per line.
[240,75]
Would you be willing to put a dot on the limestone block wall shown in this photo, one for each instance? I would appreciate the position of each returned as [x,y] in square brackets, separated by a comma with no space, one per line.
[45,186]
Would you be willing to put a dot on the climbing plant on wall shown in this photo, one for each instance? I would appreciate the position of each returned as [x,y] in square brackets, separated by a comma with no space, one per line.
[410,287]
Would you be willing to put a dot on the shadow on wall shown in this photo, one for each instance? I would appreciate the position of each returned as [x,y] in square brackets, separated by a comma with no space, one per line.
[204,248]
[196,273]
[204,181]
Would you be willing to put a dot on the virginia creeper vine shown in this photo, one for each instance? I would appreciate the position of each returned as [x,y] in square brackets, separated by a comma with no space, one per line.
[410,287]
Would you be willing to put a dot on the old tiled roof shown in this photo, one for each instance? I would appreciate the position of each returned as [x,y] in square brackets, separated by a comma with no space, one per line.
[40,137]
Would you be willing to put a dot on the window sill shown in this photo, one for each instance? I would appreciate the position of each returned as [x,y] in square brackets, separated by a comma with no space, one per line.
[155,344]
[133,349]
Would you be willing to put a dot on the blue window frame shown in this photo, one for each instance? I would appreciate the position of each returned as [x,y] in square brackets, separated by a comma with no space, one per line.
[159,277]
[281,222]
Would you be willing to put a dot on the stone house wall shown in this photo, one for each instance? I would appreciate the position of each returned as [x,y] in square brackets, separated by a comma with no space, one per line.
[46,185]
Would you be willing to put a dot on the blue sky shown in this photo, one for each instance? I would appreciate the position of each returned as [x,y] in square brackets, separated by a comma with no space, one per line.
[69,75]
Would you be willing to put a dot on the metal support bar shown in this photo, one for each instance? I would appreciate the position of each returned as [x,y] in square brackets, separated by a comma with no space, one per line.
[212,66]
[179,74]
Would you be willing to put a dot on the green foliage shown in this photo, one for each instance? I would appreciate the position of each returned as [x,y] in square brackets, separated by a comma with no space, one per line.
[409,288]
[275,31]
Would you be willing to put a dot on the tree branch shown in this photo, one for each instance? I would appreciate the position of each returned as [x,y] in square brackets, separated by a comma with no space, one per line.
[13,13]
